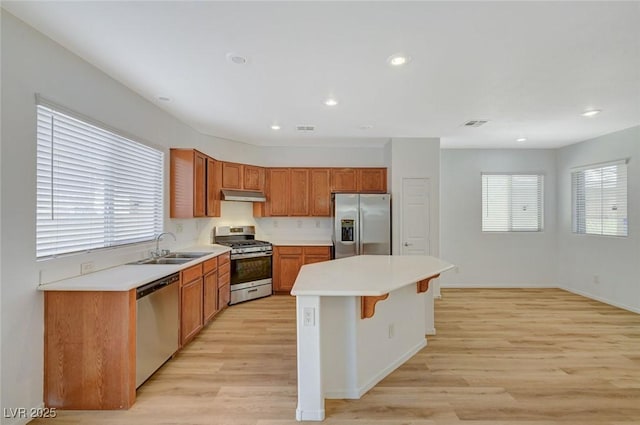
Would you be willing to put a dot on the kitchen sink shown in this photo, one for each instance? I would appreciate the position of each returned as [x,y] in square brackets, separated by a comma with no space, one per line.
[172,258]
[186,254]
[163,260]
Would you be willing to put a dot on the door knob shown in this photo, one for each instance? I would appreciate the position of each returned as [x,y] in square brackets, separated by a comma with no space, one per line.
[407,244]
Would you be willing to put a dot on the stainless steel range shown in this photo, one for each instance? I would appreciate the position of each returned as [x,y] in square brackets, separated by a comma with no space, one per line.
[250,262]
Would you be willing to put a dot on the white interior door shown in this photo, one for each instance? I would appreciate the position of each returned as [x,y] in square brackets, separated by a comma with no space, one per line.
[415,234]
[415,217]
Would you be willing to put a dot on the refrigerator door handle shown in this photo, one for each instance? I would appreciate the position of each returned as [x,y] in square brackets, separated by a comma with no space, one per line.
[361,232]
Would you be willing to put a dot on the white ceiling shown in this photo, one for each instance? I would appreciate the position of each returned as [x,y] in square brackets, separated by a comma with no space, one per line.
[530,68]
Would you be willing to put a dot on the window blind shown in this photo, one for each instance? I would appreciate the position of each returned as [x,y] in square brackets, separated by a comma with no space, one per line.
[512,202]
[600,199]
[95,189]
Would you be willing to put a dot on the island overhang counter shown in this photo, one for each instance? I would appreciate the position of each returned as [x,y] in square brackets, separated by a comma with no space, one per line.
[358,319]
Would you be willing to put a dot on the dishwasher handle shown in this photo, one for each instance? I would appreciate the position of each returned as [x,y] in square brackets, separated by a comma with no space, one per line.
[156,285]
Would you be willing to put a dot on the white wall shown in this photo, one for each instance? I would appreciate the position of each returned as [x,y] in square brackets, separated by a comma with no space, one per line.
[614,260]
[415,158]
[494,259]
[32,63]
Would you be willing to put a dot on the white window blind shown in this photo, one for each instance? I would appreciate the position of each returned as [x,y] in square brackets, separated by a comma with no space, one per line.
[95,189]
[600,199]
[512,202]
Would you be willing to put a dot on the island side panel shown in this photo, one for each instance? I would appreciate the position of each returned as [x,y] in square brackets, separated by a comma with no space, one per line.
[388,339]
[310,394]
[429,313]
[340,316]
[90,349]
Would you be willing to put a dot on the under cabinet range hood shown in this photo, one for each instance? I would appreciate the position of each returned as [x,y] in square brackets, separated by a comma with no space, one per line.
[243,195]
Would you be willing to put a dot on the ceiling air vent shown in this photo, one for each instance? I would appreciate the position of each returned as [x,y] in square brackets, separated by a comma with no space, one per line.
[305,128]
[475,123]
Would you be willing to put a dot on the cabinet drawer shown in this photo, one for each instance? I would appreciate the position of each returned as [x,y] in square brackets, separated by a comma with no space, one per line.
[289,250]
[223,279]
[223,258]
[224,269]
[317,250]
[210,265]
[191,273]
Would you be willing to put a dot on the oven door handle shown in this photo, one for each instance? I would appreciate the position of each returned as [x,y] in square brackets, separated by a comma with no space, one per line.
[251,255]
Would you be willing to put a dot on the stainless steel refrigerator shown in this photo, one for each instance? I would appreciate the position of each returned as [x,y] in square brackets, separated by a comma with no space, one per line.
[361,224]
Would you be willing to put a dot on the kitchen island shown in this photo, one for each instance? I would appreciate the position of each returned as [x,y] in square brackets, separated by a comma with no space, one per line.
[358,319]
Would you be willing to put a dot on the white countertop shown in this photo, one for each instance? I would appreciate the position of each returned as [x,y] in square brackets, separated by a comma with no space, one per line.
[129,276]
[303,242]
[366,275]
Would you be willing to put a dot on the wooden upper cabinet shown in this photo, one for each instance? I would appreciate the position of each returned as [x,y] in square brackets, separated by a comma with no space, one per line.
[188,183]
[214,176]
[372,180]
[320,192]
[254,178]
[279,187]
[232,175]
[344,180]
[299,192]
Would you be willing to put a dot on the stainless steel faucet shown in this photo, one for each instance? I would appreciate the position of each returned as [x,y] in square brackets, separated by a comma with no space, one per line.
[158,252]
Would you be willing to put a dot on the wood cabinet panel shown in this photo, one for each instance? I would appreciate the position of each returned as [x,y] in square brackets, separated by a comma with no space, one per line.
[287,250]
[224,296]
[210,296]
[224,258]
[232,174]
[210,265]
[187,181]
[213,188]
[254,178]
[192,273]
[288,266]
[190,310]
[320,192]
[372,180]
[224,268]
[89,355]
[279,189]
[299,192]
[200,185]
[344,180]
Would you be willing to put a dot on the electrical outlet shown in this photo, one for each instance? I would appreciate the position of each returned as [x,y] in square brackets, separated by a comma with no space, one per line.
[275,223]
[317,224]
[309,318]
[87,267]
[596,279]
[299,224]
[392,330]
[179,227]
[456,269]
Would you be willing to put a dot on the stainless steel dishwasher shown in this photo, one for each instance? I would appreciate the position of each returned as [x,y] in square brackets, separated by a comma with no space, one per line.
[157,325]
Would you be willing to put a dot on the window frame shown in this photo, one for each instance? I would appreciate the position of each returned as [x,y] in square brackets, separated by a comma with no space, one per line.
[574,200]
[541,203]
[158,183]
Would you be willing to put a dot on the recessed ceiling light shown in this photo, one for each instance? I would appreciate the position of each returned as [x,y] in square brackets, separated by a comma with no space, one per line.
[521,139]
[164,98]
[331,102]
[591,113]
[237,59]
[275,127]
[398,59]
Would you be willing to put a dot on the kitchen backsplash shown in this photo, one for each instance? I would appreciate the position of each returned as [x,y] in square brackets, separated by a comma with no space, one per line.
[295,228]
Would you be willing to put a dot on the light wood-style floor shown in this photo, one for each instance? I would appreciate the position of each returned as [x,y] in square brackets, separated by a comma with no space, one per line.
[501,356]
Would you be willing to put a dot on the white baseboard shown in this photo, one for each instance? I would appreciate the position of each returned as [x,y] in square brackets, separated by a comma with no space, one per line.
[431,331]
[310,415]
[599,298]
[494,286]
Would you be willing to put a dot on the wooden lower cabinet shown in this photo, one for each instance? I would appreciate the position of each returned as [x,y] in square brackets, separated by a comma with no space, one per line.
[224,291]
[210,296]
[191,309]
[90,349]
[287,261]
